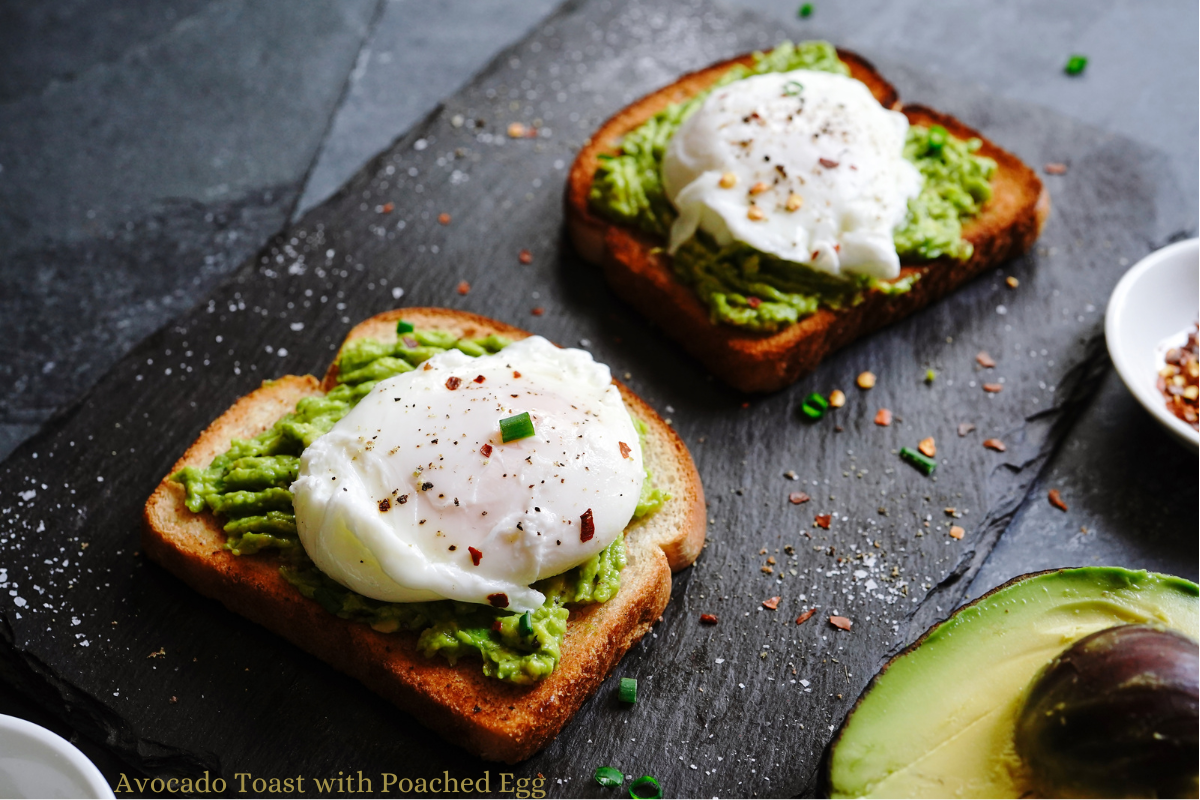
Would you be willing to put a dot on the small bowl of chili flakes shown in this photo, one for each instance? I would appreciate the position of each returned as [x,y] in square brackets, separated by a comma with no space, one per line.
[1151,326]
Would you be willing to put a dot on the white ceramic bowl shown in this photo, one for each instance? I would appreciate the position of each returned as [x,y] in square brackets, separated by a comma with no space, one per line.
[1158,298]
[35,762]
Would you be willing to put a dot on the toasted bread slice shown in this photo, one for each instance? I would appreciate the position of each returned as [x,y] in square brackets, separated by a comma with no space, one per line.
[494,720]
[639,270]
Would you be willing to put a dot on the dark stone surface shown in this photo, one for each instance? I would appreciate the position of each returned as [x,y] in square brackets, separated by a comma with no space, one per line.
[248,702]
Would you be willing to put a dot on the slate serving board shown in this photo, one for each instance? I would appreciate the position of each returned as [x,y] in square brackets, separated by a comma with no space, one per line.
[743,708]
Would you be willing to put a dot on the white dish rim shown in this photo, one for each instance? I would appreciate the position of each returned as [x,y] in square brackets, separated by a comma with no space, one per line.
[86,770]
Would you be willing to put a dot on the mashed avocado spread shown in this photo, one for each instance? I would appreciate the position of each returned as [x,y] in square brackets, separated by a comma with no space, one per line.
[749,289]
[247,487]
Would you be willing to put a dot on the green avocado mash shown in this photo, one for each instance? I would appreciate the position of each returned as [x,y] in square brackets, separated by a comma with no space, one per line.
[749,289]
[248,487]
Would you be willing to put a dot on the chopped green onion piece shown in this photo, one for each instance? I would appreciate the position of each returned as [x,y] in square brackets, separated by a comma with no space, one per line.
[814,406]
[525,625]
[404,327]
[806,11]
[645,788]
[609,776]
[919,460]
[518,427]
[793,88]
[628,691]
[930,376]
[937,138]
[1075,65]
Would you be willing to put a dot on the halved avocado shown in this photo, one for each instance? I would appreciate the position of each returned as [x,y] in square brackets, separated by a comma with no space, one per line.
[939,719]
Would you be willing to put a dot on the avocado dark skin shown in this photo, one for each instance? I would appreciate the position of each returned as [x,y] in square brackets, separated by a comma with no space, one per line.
[1115,716]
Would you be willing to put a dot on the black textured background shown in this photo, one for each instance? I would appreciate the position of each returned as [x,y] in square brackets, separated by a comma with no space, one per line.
[718,712]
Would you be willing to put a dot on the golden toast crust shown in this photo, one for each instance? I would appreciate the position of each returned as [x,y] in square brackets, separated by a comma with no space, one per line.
[640,273]
[492,719]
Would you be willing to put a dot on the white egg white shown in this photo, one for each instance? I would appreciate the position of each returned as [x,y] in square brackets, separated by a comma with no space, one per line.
[804,165]
[403,501]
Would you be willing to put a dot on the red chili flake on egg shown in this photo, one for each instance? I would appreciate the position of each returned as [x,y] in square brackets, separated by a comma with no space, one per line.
[498,600]
[828,163]
[480,379]
[475,556]
[453,382]
[587,526]
[486,450]
[516,374]
[625,450]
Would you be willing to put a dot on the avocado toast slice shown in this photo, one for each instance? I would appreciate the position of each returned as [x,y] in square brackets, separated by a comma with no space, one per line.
[640,271]
[495,720]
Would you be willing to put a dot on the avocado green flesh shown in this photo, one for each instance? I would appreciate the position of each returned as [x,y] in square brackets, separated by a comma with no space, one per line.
[940,720]
[248,487]
[753,290]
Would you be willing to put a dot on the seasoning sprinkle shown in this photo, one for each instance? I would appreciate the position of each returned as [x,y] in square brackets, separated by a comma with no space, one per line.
[587,526]
[928,446]
[994,444]
[823,520]
[865,380]
[1056,500]
[837,398]
[525,257]
[883,417]
[708,619]
[625,449]
[956,532]
[964,428]
[806,616]
[757,214]
[728,180]
[794,202]
[443,218]
[796,498]
[771,603]
[993,388]
[476,555]
[453,382]
[463,287]
[984,360]
[841,623]
[1054,168]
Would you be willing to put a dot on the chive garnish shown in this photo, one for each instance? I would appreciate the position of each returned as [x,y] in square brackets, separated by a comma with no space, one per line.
[403,327]
[518,427]
[792,88]
[805,11]
[525,625]
[919,460]
[628,691]
[930,376]
[645,788]
[1075,65]
[814,406]
[609,776]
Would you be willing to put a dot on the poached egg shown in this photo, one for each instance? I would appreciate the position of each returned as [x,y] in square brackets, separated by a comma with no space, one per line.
[414,496]
[804,165]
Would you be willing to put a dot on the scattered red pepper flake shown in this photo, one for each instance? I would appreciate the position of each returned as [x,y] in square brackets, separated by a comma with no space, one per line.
[480,379]
[928,447]
[496,626]
[708,619]
[587,526]
[994,444]
[453,382]
[984,360]
[796,498]
[828,163]
[486,450]
[883,417]
[841,623]
[516,130]
[1011,282]
[1056,500]
[956,532]
[498,600]
[746,404]
[516,374]
[753,302]
[475,556]
[771,603]
[625,449]
[384,505]
[1055,168]
[537,311]
[964,428]
[443,218]
[387,208]
[463,287]
[823,520]
[525,257]
[806,616]
[766,569]
[993,388]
